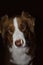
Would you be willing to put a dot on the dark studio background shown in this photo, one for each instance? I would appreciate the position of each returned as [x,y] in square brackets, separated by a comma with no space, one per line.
[35,8]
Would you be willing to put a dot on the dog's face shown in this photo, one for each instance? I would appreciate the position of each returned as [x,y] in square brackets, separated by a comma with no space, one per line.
[18,33]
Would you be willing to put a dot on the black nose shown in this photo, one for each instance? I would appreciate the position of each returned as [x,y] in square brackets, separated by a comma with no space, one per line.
[19,43]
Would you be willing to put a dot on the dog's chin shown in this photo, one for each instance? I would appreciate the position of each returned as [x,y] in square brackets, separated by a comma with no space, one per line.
[19,55]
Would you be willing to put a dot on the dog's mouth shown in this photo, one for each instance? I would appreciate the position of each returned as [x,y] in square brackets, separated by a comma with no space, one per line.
[19,43]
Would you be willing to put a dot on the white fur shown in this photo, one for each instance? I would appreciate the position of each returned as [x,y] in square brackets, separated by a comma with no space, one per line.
[19,55]
[17,33]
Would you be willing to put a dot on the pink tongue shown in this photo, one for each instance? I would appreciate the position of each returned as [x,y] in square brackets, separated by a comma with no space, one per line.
[18,43]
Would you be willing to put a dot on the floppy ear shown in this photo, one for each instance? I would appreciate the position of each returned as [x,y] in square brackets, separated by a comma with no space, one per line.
[4,24]
[30,20]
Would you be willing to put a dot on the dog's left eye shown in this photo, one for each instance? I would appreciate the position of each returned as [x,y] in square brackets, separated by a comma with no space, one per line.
[23,26]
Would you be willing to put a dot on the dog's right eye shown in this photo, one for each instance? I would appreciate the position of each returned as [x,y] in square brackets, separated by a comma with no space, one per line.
[10,30]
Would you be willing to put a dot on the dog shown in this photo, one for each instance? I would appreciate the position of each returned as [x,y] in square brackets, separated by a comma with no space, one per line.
[19,39]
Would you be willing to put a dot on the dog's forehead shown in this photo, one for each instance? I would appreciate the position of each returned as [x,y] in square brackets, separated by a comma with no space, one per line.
[17,21]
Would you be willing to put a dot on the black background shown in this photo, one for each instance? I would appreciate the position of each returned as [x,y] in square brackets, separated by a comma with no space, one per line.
[35,8]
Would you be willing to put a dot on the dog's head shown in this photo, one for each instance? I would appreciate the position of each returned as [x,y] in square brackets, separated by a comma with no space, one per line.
[19,36]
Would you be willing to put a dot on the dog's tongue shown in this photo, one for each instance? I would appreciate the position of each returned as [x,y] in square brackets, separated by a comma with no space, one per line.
[18,43]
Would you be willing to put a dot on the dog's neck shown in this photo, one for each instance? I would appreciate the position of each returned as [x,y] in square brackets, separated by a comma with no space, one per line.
[12,61]
[30,63]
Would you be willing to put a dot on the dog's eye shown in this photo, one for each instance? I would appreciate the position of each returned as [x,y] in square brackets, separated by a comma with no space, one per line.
[23,26]
[11,30]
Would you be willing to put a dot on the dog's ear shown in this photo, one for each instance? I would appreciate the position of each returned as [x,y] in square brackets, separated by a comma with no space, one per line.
[25,14]
[4,24]
[30,20]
